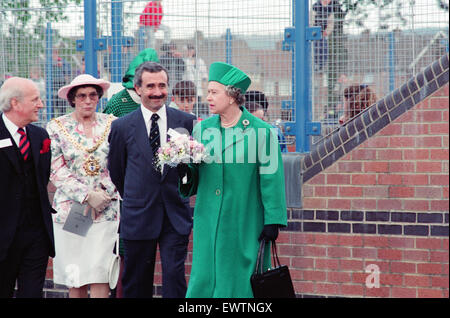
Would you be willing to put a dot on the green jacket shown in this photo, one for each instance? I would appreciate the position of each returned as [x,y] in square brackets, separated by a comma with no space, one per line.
[238,193]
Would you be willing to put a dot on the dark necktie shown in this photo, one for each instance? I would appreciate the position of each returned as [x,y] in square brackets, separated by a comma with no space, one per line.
[154,137]
[24,143]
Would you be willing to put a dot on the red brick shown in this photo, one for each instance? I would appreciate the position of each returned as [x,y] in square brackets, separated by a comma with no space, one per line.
[339,204]
[314,251]
[437,128]
[402,267]
[317,179]
[339,277]
[326,263]
[401,192]
[327,289]
[338,179]
[429,116]
[400,292]
[389,154]
[391,279]
[302,262]
[351,265]
[349,166]
[350,240]
[377,142]
[439,154]
[440,281]
[428,192]
[417,281]
[383,292]
[324,191]
[429,142]
[389,204]
[359,277]
[415,255]
[314,203]
[429,268]
[445,193]
[415,129]
[394,179]
[415,179]
[352,290]
[439,256]
[390,254]
[401,141]
[416,205]
[370,253]
[416,154]
[315,275]
[429,243]
[428,166]
[404,242]
[326,239]
[364,179]
[338,252]
[364,154]
[401,166]
[302,238]
[304,287]
[364,204]
[350,191]
[439,205]
[376,166]
[376,241]
[375,192]
[441,179]
[429,293]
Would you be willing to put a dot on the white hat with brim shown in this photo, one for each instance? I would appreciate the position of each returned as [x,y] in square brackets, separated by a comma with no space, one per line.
[83,79]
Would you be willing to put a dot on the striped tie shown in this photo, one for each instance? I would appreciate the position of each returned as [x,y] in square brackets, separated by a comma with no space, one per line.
[154,137]
[24,143]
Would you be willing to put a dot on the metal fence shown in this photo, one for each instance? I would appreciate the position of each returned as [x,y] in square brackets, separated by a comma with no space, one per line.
[376,43]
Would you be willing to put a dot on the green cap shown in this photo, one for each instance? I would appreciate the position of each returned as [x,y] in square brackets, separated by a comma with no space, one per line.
[227,74]
[143,56]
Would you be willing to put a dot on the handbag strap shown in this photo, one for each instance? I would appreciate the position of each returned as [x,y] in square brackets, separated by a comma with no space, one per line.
[260,259]
[276,260]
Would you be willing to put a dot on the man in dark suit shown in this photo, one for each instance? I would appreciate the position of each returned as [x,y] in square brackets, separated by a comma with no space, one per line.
[26,229]
[153,213]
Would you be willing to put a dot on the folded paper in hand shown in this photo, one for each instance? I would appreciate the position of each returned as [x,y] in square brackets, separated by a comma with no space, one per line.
[76,222]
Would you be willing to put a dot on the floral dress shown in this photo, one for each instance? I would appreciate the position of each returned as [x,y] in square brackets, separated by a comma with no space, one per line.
[68,174]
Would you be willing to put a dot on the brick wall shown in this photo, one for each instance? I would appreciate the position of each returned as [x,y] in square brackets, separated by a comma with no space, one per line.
[375,198]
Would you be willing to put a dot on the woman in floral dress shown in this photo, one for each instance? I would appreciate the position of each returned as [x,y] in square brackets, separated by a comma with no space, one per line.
[79,173]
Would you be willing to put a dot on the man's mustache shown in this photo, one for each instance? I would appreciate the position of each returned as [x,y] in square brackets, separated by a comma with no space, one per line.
[157,97]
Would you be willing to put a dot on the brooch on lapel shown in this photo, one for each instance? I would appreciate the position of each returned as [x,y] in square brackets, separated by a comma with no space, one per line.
[245,123]
[45,146]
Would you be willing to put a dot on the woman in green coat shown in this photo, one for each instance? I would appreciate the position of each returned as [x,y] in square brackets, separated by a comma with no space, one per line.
[240,190]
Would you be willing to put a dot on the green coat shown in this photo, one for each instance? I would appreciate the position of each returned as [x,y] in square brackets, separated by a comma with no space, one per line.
[235,199]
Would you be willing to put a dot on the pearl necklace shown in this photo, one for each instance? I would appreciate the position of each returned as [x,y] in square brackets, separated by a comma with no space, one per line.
[233,123]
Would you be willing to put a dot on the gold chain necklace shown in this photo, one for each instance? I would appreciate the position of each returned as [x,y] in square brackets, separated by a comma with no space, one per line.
[91,165]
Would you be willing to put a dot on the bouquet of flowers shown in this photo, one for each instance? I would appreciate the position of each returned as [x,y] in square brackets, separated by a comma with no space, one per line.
[180,148]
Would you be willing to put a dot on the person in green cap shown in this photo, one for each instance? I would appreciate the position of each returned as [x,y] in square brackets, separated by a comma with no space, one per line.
[127,100]
[240,190]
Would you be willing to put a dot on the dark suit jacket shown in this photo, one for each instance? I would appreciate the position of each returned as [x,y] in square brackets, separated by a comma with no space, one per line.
[11,185]
[144,191]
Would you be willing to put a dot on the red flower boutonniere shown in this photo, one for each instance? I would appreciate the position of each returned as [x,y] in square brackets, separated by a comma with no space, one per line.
[45,146]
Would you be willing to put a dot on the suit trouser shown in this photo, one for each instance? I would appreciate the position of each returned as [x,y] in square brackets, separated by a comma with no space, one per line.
[139,264]
[25,262]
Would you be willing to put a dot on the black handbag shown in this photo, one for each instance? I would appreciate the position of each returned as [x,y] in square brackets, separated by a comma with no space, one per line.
[275,282]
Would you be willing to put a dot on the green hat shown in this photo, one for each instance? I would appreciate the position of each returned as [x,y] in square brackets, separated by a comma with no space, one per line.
[143,56]
[227,74]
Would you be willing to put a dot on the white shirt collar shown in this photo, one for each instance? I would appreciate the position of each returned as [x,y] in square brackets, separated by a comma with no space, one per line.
[148,114]
[12,128]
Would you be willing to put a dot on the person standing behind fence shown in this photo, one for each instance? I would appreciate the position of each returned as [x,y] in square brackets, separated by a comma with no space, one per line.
[173,62]
[127,100]
[26,231]
[184,96]
[356,99]
[80,176]
[238,201]
[153,213]
[196,71]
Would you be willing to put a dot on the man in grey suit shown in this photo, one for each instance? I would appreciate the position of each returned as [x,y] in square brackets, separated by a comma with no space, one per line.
[153,213]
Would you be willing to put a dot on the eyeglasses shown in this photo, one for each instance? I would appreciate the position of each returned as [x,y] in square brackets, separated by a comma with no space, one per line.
[83,96]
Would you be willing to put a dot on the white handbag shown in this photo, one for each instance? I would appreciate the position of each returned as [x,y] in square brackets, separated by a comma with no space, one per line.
[114,267]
